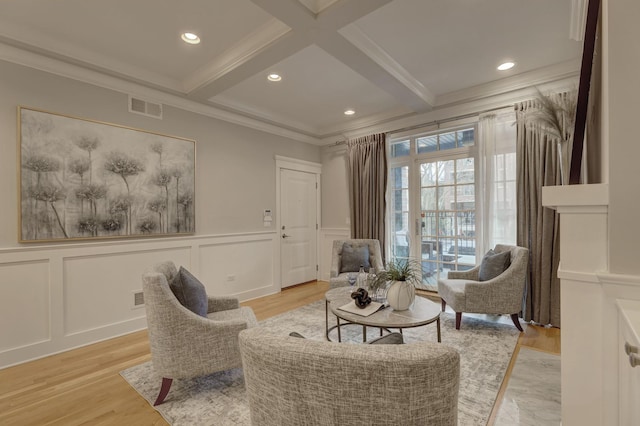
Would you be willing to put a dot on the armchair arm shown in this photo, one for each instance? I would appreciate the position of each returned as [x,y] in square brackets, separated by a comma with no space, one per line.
[471,274]
[194,345]
[222,303]
[500,295]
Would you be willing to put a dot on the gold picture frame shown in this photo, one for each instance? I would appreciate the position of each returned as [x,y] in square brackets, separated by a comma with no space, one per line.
[81,179]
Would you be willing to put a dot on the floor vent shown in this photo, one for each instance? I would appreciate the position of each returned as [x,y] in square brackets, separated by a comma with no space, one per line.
[138,299]
[140,106]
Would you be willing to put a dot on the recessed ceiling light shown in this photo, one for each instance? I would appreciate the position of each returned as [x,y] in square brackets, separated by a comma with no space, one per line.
[506,66]
[190,38]
[274,77]
[349,112]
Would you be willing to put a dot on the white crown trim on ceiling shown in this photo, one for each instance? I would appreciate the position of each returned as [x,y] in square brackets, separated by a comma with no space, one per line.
[461,102]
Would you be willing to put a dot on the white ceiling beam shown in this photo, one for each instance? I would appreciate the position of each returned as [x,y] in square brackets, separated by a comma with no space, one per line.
[236,55]
[341,49]
[307,28]
[345,12]
[251,64]
[359,39]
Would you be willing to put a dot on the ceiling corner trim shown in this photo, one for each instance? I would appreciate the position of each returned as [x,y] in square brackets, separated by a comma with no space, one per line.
[75,72]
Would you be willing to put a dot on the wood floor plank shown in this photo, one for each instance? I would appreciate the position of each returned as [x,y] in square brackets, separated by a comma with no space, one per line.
[83,386]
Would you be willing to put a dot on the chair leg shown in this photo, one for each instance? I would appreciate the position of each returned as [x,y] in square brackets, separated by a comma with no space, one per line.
[444,304]
[458,320]
[516,322]
[164,390]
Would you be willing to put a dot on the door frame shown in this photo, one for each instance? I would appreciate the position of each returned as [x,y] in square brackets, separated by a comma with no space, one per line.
[287,163]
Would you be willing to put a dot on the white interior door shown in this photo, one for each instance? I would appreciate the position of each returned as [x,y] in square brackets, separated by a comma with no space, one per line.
[298,233]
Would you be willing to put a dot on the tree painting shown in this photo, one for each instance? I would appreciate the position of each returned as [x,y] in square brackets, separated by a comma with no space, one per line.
[81,179]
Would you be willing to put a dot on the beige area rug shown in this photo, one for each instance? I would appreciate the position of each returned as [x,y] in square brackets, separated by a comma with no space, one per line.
[219,399]
[533,394]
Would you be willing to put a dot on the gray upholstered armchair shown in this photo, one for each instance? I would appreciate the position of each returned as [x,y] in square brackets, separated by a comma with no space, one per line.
[292,381]
[464,292]
[340,269]
[183,343]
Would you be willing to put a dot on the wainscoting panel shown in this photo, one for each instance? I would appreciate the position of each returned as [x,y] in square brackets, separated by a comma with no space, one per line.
[98,289]
[25,316]
[327,235]
[58,297]
[243,267]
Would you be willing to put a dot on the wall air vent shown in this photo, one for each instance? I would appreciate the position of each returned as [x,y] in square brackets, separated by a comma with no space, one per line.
[140,106]
[138,299]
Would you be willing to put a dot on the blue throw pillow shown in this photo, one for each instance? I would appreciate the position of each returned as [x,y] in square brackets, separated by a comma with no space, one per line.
[190,292]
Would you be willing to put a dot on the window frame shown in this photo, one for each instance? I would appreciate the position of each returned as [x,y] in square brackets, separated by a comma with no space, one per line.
[413,161]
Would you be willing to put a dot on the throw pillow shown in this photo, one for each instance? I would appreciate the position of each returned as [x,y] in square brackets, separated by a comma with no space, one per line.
[493,264]
[190,292]
[354,257]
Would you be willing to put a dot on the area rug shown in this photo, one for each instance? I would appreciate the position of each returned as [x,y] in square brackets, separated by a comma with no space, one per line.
[485,348]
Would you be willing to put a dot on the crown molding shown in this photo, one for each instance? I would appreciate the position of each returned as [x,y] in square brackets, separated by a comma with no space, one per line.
[55,66]
[262,114]
[44,45]
[524,80]
[462,108]
[370,120]
[236,55]
[279,120]
[354,34]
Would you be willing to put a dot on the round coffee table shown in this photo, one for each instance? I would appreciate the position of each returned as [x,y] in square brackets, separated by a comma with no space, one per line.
[422,312]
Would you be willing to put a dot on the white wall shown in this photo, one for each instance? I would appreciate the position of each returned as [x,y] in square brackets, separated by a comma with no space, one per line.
[624,139]
[335,193]
[58,296]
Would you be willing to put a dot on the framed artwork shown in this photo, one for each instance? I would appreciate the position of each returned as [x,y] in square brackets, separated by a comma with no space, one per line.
[81,179]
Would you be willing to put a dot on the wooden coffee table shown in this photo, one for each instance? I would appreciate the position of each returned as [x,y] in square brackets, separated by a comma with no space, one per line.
[422,312]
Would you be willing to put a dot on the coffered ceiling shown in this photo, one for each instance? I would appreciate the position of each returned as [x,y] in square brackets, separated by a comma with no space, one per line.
[385,59]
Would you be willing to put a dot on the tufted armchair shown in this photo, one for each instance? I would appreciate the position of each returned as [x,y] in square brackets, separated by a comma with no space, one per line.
[338,276]
[292,381]
[185,344]
[503,294]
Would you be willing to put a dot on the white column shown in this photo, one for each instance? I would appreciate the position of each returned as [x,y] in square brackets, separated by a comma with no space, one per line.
[584,245]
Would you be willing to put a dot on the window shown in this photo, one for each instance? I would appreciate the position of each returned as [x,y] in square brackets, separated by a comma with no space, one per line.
[436,188]
[400,149]
[433,175]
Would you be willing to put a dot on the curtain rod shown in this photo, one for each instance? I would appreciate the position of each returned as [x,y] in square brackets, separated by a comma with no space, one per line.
[438,122]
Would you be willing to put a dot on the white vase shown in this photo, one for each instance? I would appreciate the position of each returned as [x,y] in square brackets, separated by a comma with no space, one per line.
[401,295]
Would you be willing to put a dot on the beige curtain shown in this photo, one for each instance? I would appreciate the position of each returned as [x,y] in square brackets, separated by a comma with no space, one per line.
[367,172]
[538,227]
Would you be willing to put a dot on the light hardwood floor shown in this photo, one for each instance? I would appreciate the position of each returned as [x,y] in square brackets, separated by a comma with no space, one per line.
[84,387]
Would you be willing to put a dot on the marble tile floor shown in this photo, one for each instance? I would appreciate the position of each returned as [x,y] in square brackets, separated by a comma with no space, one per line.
[532,397]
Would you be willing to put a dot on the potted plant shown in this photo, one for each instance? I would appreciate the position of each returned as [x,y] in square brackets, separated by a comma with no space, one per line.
[403,274]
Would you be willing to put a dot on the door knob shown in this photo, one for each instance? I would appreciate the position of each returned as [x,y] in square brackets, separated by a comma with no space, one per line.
[285,236]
